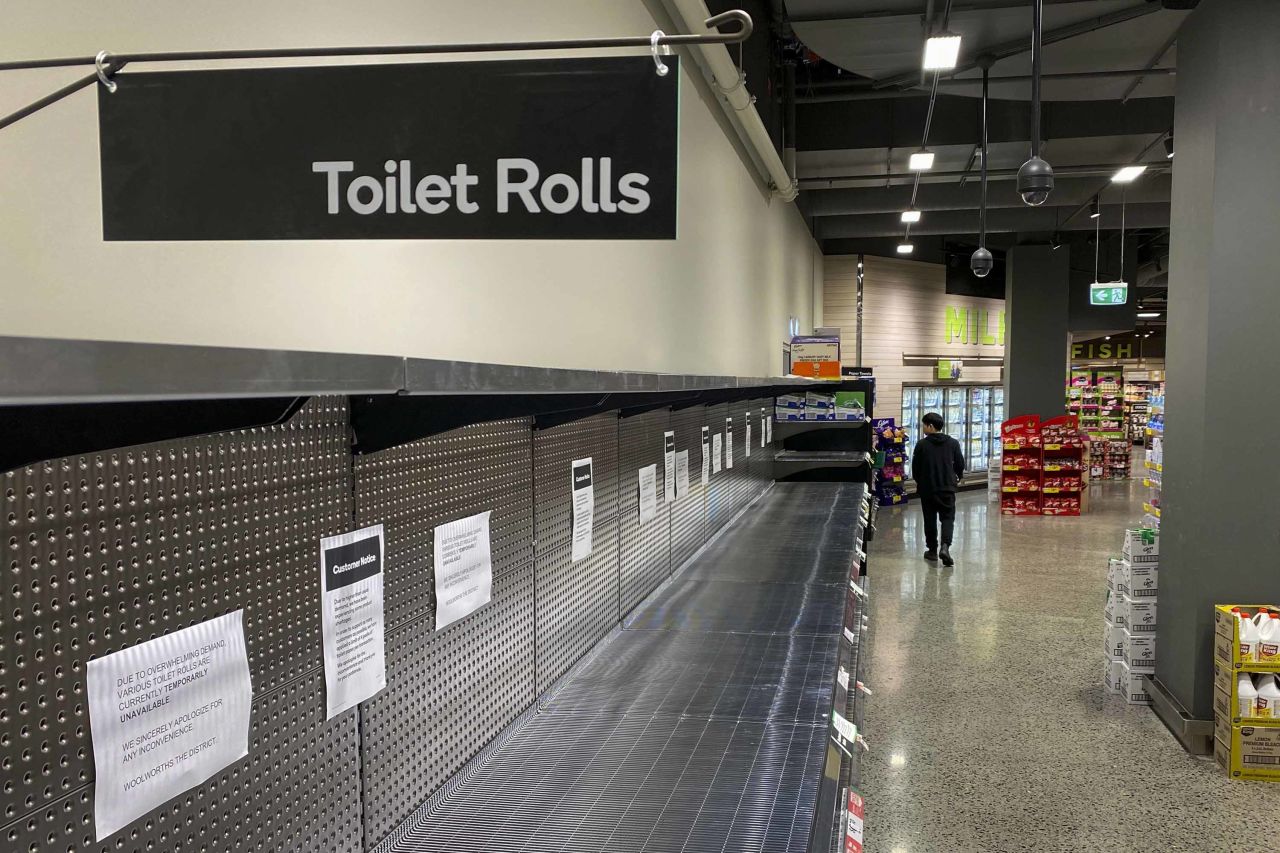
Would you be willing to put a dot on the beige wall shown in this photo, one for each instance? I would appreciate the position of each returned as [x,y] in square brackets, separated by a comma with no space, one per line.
[716,300]
[904,312]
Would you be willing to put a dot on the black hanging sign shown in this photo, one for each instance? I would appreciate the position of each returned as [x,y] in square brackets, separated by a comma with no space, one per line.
[515,149]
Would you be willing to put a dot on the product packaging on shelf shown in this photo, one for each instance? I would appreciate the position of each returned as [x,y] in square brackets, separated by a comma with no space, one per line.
[850,406]
[1247,751]
[780,414]
[789,401]
[1227,640]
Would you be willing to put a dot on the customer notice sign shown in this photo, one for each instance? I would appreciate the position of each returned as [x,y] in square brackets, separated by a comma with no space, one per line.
[515,149]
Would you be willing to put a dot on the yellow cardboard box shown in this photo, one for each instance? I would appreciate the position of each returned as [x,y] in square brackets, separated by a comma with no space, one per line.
[1248,752]
[1226,639]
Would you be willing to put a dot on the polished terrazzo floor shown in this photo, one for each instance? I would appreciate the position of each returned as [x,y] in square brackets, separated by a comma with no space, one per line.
[990,731]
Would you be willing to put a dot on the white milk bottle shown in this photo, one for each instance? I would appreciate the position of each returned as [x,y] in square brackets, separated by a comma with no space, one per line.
[1268,702]
[1246,695]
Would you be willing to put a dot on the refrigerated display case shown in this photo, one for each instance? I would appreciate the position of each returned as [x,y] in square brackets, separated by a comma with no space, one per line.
[972,413]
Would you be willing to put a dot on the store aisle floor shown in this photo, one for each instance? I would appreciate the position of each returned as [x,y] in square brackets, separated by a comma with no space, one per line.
[989,726]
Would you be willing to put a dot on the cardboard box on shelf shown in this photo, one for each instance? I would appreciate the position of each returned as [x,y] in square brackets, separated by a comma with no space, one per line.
[815,356]
[851,405]
[788,414]
[1138,651]
[789,401]
[1141,545]
[1132,687]
[1226,639]
[1248,751]
[1138,580]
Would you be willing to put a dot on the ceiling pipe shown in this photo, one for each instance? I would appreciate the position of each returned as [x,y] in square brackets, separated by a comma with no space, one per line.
[953,196]
[738,104]
[999,221]
[834,92]
[833,182]
[981,261]
[1035,178]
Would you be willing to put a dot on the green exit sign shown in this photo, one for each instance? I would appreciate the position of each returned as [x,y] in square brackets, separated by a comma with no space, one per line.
[1109,293]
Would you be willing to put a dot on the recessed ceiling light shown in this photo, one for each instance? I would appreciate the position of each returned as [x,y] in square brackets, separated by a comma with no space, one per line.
[921,161]
[905,248]
[1127,174]
[1107,338]
[1148,315]
[911,215]
[941,52]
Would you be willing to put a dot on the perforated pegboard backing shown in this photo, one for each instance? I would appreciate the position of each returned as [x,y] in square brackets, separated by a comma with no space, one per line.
[688,515]
[449,692]
[107,550]
[644,550]
[577,603]
[413,488]
[761,409]
[719,490]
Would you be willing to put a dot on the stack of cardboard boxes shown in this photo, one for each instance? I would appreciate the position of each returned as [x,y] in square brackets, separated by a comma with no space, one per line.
[1246,746]
[1130,612]
[821,406]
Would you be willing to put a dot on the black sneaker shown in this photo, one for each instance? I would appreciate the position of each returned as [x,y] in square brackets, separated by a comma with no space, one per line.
[946,557]
[931,555]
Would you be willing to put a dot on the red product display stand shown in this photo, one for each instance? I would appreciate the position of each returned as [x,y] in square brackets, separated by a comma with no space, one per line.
[1042,468]
[1062,466]
[1020,466]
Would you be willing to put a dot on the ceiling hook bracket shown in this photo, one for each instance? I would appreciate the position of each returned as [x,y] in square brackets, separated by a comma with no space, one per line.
[658,50]
[101,64]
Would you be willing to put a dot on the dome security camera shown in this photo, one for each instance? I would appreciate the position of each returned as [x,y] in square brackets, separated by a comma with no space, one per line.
[981,262]
[1035,182]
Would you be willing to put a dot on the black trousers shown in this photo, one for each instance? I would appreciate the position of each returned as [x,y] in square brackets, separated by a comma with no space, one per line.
[938,506]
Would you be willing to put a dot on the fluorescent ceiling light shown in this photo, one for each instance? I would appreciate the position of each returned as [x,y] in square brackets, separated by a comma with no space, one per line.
[1094,211]
[921,161]
[911,215]
[941,52]
[1148,315]
[1127,174]
[905,248]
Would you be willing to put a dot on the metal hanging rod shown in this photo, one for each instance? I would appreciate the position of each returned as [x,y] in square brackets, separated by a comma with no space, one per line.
[107,65]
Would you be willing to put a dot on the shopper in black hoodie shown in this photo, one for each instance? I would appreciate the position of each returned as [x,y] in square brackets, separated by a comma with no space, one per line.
[936,466]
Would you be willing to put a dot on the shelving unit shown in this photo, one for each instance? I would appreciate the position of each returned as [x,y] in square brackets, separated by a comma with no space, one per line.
[1020,466]
[890,440]
[1153,463]
[812,449]
[1097,399]
[1064,474]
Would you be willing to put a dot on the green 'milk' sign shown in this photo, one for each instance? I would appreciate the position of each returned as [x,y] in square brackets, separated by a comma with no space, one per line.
[1108,293]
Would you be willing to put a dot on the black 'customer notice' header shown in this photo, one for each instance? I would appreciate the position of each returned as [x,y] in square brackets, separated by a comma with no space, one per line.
[531,149]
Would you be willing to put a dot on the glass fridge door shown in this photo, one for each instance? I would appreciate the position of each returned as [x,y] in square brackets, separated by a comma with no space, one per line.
[978,453]
[910,419]
[956,416]
[931,400]
[997,406]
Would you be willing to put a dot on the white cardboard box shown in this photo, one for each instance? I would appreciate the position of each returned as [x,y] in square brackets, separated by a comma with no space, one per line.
[1132,688]
[1138,580]
[1112,670]
[1138,616]
[1111,611]
[1113,642]
[1138,651]
[1113,574]
[1141,546]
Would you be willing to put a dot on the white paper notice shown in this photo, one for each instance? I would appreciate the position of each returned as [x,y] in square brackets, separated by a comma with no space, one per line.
[166,715]
[669,466]
[768,429]
[728,442]
[584,507]
[351,617]
[747,444]
[648,493]
[716,441]
[706,455]
[764,427]
[464,568]
[682,473]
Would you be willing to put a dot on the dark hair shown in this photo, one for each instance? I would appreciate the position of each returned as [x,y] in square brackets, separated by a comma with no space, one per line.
[934,420]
